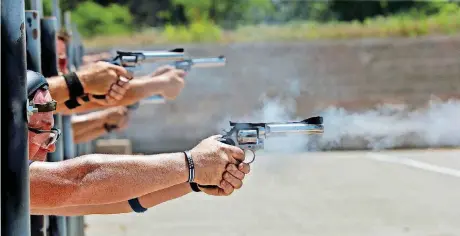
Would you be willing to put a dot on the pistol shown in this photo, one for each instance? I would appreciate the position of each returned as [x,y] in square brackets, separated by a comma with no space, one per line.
[187,65]
[132,59]
[251,136]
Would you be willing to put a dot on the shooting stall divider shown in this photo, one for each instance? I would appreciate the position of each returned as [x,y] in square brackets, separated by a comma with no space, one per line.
[15,200]
[49,69]
[67,132]
[38,223]
[29,42]
[78,52]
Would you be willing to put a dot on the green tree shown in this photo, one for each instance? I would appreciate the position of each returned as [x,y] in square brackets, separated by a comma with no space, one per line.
[93,19]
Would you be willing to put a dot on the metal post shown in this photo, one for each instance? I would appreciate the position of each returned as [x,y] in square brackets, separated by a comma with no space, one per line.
[50,68]
[38,6]
[33,45]
[78,47]
[38,223]
[15,198]
[70,44]
[67,134]
[57,13]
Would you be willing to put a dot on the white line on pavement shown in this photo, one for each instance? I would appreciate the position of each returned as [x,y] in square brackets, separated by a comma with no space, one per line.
[414,164]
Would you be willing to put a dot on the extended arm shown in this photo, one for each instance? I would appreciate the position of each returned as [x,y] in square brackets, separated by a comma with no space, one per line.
[147,201]
[91,126]
[82,137]
[139,89]
[165,81]
[58,89]
[103,179]
[85,123]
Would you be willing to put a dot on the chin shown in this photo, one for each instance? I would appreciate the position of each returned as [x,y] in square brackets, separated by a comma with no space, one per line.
[40,155]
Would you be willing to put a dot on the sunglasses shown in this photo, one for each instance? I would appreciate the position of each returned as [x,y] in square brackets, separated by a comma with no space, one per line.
[53,137]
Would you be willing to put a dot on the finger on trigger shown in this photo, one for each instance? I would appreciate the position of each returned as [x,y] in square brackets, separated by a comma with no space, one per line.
[235,152]
[121,71]
[235,172]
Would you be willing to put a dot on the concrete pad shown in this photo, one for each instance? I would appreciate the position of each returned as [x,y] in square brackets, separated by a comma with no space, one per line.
[321,194]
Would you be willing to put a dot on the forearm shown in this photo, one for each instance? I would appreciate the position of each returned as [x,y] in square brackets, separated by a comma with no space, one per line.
[82,124]
[139,89]
[103,179]
[58,89]
[147,201]
[88,135]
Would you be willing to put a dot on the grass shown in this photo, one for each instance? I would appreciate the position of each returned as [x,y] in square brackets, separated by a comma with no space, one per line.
[445,23]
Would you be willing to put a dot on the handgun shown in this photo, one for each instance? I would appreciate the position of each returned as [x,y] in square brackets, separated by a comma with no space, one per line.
[250,137]
[132,59]
[187,65]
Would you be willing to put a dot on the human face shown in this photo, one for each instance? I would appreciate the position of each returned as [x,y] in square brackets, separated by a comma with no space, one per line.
[62,56]
[39,141]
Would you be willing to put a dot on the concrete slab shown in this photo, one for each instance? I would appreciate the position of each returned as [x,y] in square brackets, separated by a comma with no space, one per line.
[321,194]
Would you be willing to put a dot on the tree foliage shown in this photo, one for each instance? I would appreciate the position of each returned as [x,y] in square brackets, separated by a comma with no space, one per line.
[105,17]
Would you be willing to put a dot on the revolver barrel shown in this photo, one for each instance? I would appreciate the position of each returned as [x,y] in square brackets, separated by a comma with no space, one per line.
[289,128]
[209,62]
[203,62]
[150,56]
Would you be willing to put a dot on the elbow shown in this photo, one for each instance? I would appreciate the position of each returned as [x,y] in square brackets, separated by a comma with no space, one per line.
[76,189]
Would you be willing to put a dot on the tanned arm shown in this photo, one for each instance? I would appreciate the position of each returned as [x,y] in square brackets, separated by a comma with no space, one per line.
[58,89]
[147,201]
[139,89]
[82,137]
[103,179]
[86,123]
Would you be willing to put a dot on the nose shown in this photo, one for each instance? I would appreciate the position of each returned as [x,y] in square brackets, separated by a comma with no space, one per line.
[51,148]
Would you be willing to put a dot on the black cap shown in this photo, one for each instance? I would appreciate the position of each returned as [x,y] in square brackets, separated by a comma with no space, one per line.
[35,81]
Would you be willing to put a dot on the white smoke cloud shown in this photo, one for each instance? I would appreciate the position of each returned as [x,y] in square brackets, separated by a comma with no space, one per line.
[394,126]
[384,127]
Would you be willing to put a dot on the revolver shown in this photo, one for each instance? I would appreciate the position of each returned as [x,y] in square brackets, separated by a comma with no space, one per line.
[187,65]
[130,60]
[251,136]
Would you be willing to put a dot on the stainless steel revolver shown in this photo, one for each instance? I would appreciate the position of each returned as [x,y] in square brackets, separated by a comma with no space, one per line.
[251,136]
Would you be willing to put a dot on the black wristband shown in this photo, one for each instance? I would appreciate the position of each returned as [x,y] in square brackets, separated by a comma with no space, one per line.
[72,103]
[194,187]
[85,98]
[191,166]
[74,85]
[136,205]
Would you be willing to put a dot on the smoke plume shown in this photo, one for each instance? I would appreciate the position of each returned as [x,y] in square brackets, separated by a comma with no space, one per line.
[384,127]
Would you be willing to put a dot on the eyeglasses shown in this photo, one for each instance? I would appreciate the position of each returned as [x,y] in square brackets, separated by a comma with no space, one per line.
[54,135]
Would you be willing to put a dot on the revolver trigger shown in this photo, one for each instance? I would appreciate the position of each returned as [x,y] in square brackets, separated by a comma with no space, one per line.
[253,155]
